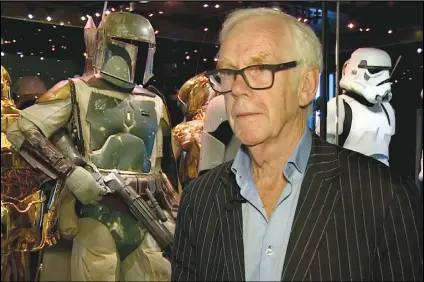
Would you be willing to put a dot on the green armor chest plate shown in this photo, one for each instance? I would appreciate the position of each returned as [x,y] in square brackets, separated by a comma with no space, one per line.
[122,132]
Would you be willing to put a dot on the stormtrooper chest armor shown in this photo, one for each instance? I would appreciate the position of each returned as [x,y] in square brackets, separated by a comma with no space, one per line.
[371,128]
[119,129]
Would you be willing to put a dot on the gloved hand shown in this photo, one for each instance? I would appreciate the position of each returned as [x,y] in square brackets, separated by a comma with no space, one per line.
[82,184]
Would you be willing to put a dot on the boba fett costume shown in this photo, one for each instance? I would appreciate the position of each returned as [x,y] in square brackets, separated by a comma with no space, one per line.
[116,125]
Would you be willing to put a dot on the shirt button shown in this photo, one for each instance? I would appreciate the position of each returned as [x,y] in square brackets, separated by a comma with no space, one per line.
[269,251]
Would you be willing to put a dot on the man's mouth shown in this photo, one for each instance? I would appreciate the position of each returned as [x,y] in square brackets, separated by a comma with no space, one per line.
[241,115]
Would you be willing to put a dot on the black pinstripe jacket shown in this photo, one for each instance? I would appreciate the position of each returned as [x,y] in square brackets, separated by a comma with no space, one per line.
[355,220]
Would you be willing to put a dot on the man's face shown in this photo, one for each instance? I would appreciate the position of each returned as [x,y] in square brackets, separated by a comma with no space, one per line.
[258,115]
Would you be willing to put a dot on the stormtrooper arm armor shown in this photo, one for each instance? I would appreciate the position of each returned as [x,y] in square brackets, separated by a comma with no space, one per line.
[332,118]
[36,124]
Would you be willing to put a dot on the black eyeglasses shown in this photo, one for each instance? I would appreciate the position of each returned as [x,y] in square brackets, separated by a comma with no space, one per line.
[257,77]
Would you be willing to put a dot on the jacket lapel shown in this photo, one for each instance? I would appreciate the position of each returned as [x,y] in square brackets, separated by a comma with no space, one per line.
[231,225]
[317,199]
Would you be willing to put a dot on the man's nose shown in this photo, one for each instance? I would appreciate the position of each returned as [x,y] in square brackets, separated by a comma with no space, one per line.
[239,86]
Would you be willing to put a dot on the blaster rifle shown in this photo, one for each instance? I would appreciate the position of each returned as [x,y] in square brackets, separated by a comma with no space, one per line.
[114,183]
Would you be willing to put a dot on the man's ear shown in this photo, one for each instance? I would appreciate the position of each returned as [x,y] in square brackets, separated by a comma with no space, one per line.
[308,86]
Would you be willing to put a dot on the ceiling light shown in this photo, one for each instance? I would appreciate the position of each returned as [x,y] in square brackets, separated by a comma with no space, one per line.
[150,15]
[157,31]
[62,23]
[217,6]
[83,18]
[204,59]
[351,25]
[2,54]
[187,57]
[49,18]
[215,59]
[390,31]
[97,14]
[299,19]
[419,50]
[205,29]
[30,16]
[107,12]
[160,12]
[368,29]
[361,30]
[205,5]
[41,58]
[305,20]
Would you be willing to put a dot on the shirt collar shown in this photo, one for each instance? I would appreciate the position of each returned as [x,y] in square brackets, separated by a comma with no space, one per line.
[299,157]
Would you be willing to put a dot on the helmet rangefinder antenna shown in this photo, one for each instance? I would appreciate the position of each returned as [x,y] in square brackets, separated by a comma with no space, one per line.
[104,10]
[397,63]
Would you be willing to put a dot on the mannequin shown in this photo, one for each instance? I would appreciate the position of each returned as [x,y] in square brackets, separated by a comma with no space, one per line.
[27,213]
[193,98]
[219,144]
[116,124]
[366,120]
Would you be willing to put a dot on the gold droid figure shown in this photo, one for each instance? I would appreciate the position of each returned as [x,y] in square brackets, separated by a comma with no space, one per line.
[27,212]
[193,98]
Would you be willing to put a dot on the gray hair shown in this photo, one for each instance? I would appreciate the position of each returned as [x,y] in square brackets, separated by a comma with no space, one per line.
[306,45]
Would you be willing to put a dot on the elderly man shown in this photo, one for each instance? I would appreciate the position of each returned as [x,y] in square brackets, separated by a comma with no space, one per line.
[290,206]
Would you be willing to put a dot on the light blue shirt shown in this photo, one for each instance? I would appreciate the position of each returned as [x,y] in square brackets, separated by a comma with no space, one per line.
[265,241]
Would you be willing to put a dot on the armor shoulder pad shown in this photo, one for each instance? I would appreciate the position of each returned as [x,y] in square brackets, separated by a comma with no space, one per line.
[61,91]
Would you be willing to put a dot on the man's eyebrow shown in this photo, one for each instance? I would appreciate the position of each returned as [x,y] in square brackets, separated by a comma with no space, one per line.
[261,58]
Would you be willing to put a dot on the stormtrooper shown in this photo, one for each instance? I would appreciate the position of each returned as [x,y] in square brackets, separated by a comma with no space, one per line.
[219,144]
[366,120]
[116,125]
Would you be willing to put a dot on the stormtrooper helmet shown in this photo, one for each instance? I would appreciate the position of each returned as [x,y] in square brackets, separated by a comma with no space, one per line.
[367,73]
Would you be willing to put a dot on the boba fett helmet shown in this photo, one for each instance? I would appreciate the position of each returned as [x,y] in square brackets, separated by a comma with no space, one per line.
[125,46]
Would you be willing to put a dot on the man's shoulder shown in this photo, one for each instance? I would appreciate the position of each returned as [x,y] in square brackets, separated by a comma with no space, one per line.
[209,181]
[369,172]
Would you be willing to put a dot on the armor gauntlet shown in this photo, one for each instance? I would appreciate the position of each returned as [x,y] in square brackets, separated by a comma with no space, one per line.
[42,154]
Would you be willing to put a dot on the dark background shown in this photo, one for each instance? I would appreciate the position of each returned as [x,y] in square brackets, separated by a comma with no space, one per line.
[27,45]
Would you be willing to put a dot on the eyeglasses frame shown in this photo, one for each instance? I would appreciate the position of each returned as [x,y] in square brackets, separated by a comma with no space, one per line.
[272,67]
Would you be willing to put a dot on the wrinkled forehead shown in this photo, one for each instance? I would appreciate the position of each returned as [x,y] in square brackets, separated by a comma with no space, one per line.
[256,41]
